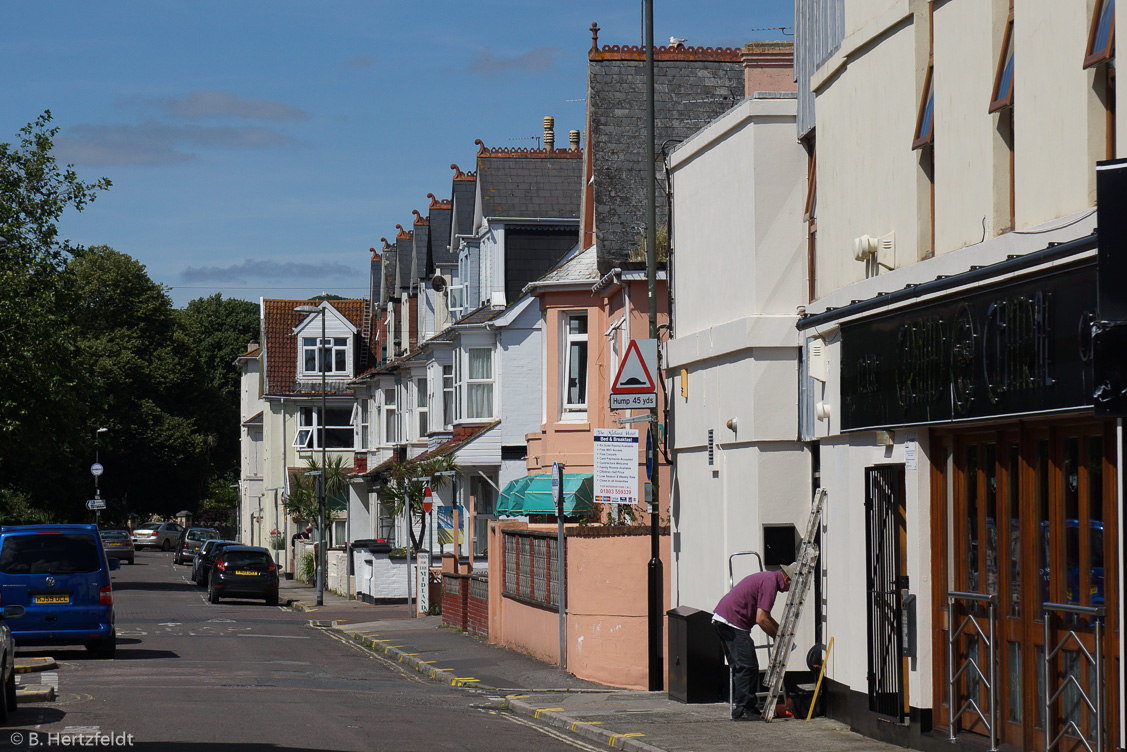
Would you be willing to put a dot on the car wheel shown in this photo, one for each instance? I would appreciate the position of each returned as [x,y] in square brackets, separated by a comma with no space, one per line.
[212,594]
[166,546]
[271,599]
[10,699]
[131,560]
[106,648]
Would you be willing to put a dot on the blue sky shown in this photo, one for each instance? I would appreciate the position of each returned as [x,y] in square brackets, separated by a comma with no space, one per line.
[259,149]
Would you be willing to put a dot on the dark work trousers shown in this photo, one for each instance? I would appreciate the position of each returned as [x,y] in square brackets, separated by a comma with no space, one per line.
[740,650]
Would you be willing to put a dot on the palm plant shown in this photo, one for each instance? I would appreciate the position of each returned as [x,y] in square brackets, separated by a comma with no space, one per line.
[405,482]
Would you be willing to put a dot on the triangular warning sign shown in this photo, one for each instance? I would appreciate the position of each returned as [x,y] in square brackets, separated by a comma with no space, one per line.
[633,375]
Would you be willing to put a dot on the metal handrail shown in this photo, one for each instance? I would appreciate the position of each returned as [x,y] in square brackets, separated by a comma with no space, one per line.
[953,676]
[731,581]
[1096,662]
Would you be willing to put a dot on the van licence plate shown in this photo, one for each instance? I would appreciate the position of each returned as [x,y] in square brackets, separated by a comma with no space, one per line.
[52,599]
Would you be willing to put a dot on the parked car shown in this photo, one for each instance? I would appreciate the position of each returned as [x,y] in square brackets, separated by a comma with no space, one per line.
[60,574]
[8,699]
[160,535]
[246,572]
[118,545]
[201,568]
[190,541]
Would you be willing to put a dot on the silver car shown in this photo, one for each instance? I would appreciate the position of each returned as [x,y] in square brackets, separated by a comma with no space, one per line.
[160,535]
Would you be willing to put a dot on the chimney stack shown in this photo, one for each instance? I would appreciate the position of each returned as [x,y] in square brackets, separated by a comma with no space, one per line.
[549,134]
[768,66]
[573,137]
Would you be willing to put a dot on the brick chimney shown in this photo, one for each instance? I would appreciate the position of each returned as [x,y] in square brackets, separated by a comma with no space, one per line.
[768,66]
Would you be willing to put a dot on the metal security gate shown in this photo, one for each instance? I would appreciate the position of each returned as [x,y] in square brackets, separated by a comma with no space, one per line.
[884,502]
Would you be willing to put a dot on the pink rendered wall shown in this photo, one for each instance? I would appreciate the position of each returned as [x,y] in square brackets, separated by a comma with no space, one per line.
[607,608]
[607,620]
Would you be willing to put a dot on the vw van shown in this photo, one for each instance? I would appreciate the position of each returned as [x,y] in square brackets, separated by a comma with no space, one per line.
[61,576]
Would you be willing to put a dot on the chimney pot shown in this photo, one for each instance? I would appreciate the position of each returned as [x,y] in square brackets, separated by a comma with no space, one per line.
[549,134]
[573,137]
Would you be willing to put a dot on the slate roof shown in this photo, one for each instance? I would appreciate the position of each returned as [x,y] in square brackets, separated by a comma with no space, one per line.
[278,321]
[530,182]
[583,267]
[421,232]
[463,192]
[438,239]
[405,252]
[692,87]
[480,315]
[462,436]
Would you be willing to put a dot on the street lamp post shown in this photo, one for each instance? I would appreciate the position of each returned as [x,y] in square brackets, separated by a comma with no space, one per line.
[321,555]
[96,470]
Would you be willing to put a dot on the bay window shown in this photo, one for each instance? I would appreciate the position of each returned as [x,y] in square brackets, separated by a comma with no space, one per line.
[337,429]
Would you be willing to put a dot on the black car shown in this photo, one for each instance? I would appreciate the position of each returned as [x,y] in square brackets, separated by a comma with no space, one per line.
[243,572]
[189,542]
[201,567]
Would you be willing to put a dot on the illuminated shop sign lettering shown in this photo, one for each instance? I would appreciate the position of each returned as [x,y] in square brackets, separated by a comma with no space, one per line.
[1006,349]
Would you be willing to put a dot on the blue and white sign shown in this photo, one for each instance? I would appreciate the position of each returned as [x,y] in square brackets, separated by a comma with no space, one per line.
[96,469]
[616,466]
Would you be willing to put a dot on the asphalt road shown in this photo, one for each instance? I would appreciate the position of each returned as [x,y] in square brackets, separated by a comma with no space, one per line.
[241,675]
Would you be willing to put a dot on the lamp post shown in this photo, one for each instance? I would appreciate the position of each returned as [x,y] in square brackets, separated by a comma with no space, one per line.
[96,470]
[321,556]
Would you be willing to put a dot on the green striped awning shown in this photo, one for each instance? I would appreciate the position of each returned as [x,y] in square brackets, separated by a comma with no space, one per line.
[532,494]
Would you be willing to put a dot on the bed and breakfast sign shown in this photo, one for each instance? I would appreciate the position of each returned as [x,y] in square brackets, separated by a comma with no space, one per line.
[616,466]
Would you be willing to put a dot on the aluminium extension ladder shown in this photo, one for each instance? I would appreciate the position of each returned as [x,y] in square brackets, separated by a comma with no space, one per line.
[799,589]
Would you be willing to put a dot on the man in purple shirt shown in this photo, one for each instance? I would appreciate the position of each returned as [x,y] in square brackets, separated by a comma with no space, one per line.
[746,605]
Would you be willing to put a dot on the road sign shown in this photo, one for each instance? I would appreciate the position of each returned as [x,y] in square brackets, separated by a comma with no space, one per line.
[557,484]
[634,385]
[96,469]
[95,504]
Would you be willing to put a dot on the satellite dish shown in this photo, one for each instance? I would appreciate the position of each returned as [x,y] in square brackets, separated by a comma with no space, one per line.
[438,283]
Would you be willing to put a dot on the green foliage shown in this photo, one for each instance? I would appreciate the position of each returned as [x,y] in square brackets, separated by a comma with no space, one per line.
[401,486]
[88,340]
[16,509]
[661,240]
[42,411]
[307,567]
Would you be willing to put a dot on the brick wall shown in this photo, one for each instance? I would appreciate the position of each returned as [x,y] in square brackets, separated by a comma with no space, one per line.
[465,602]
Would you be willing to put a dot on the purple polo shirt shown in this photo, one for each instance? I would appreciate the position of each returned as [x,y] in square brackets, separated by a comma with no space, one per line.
[756,591]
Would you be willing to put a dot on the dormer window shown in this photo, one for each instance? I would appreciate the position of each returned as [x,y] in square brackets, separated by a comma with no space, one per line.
[334,350]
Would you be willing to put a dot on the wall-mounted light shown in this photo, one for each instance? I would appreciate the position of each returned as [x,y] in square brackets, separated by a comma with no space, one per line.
[732,424]
[886,438]
[822,411]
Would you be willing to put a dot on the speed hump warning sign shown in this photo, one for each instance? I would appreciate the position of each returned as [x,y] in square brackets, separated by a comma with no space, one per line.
[634,387]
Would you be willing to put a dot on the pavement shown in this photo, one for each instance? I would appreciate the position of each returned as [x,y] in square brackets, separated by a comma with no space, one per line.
[546,695]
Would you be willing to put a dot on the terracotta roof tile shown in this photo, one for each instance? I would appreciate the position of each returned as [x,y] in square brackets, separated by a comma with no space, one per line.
[278,321]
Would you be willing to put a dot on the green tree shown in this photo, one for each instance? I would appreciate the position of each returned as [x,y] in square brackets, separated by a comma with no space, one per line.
[41,410]
[221,330]
[405,482]
[145,383]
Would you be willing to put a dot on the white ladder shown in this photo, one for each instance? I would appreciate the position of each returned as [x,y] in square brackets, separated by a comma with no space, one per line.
[799,589]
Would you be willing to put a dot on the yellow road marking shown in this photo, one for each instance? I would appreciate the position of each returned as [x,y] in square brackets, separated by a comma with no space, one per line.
[615,737]
[545,710]
[585,723]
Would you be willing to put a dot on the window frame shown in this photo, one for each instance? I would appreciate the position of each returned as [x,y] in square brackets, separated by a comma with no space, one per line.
[1000,100]
[421,407]
[448,393]
[927,108]
[1106,52]
[471,382]
[390,416]
[567,338]
[336,347]
[309,419]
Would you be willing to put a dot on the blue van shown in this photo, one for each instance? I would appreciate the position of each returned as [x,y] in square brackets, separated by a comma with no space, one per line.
[61,576]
